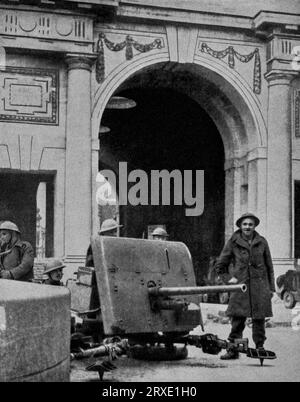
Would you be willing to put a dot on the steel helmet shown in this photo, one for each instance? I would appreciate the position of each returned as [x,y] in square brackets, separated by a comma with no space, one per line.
[245,216]
[7,225]
[160,232]
[52,265]
[108,225]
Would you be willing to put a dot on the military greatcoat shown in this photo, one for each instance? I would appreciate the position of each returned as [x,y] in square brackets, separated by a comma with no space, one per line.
[252,265]
[19,261]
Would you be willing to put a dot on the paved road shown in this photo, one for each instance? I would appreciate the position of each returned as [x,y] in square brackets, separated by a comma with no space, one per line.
[205,368]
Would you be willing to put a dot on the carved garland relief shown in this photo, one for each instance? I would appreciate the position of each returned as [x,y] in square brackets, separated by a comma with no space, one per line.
[128,44]
[232,55]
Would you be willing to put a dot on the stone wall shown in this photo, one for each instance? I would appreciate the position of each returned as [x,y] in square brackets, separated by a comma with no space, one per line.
[33,125]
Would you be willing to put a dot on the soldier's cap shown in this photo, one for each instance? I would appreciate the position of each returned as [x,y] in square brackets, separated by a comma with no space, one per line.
[53,265]
[248,215]
[108,225]
[7,225]
[160,232]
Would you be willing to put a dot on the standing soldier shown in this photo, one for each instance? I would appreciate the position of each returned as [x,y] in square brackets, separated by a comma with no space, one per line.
[252,264]
[16,256]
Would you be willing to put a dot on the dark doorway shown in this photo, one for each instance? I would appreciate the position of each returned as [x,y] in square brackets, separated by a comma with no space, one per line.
[169,130]
[18,203]
[297,219]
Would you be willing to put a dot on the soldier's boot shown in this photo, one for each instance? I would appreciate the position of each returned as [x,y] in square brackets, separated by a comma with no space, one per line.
[261,351]
[231,354]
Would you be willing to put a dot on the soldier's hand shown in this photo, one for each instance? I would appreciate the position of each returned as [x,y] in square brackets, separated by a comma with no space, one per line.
[5,275]
[233,281]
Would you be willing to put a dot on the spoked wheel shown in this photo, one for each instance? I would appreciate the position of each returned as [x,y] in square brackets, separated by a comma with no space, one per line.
[158,352]
[289,300]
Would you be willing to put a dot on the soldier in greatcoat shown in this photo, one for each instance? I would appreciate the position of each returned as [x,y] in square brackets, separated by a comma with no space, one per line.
[252,265]
[16,256]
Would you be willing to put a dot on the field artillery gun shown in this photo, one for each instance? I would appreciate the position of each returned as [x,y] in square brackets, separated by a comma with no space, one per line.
[148,295]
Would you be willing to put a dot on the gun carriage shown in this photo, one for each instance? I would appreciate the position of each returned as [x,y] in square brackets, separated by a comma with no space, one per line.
[145,291]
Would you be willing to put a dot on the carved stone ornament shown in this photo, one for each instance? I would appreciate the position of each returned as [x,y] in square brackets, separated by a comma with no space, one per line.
[232,54]
[79,62]
[128,44]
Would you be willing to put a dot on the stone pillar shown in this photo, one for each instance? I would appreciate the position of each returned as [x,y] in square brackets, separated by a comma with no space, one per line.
[233,182]
[252,186]
[262,194]
[279,173]
[257,185]
[78,198]
[95,171]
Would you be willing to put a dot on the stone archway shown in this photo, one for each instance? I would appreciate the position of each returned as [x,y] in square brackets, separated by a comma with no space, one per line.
[229,82]
[169,132]
[233,107]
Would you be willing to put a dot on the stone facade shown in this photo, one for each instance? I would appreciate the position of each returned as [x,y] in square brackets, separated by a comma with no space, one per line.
[64,64]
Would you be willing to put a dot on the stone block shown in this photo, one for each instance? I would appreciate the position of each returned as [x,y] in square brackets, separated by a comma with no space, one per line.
[34,332]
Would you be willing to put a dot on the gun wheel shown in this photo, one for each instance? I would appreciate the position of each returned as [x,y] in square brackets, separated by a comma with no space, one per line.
[289,300]
[158,352]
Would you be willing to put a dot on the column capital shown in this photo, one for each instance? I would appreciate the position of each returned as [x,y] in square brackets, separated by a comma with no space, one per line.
[234,163]
[256,154]
[279,77]
[79,61]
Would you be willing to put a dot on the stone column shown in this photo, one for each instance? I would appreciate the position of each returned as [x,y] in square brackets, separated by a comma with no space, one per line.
[233,182]
[279,174]
[252,186]
[95,171]
[262,194]
[257,185]
[78,197]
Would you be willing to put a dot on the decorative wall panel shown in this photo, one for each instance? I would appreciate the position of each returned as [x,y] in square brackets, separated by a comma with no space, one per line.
[43,25]
[29,95]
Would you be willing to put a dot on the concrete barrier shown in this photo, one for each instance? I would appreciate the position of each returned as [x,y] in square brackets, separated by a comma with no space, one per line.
[34,332]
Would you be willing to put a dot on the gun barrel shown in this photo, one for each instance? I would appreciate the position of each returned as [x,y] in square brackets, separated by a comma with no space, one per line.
[187,291]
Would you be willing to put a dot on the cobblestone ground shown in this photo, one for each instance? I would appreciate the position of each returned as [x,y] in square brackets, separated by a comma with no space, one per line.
[199,367]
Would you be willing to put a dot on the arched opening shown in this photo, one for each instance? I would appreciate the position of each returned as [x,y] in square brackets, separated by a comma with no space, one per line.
[192,116]
[168,130]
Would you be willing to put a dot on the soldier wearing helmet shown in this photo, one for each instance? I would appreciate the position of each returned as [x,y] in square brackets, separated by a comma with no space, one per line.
[160,234]
[16,256]
[54,272]
[252,264]
[110,228]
